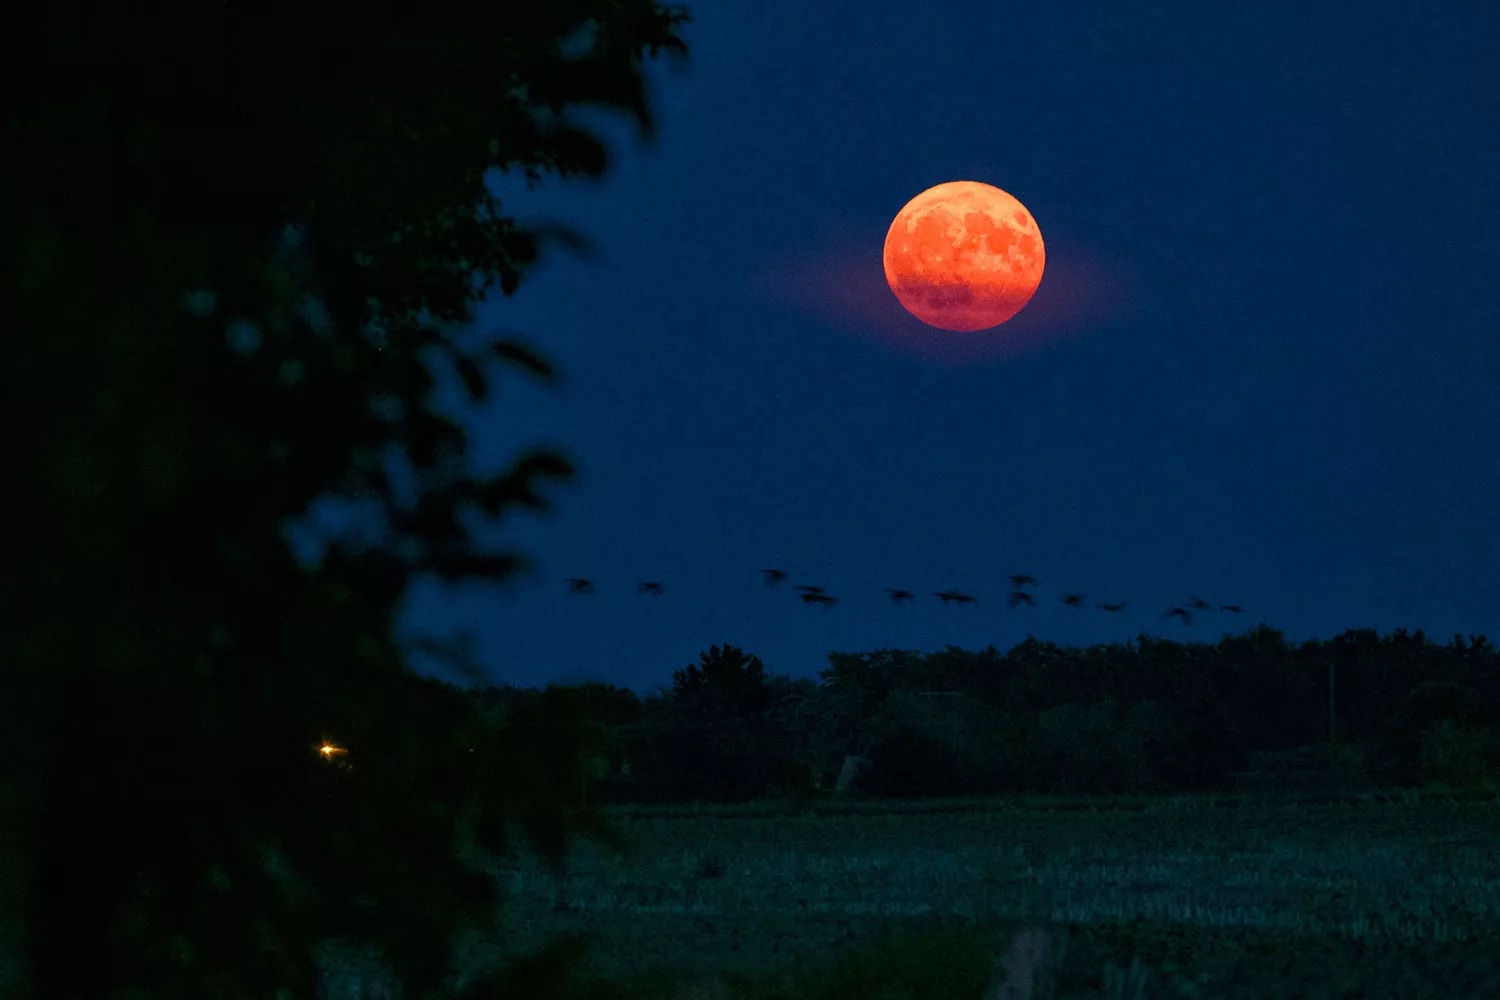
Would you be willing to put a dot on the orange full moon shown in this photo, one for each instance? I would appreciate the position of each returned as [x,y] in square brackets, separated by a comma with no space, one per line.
[964,256]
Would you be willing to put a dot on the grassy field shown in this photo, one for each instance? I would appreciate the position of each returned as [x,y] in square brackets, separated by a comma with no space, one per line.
[1356,899]
[1130,899]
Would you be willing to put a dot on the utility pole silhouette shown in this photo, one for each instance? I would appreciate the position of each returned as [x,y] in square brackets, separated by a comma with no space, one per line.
[1330,702]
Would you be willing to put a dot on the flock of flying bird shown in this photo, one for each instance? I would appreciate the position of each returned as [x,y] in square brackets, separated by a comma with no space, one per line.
[811,595]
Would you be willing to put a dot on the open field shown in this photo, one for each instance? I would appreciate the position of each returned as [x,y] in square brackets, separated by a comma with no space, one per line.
[1371,895]
[1145,899]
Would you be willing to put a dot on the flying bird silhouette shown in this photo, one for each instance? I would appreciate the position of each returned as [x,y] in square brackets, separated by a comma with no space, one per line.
[1199,604]
[1106,606]
[1074,600]
[807,589]
[1021,597]
[774,576]
[948,596]
[823,599]
[1233,609]
[1182,613]
[897,596]
[650,587]
[1021,579]
[578,585]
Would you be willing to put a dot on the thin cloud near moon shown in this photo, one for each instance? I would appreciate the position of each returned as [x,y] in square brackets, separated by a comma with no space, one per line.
[846,287]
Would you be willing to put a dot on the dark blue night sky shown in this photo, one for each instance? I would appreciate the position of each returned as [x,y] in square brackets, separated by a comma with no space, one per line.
[1263,366]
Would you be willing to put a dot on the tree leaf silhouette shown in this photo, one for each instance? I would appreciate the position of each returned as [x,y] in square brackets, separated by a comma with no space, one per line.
[518,354]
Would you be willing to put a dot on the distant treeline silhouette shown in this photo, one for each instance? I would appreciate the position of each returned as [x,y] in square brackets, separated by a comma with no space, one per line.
[1252,711]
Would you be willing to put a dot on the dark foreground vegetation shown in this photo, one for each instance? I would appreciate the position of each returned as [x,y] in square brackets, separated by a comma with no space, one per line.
[242,236]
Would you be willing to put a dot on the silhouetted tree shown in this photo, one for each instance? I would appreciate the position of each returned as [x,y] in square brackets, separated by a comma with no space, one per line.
[1086,748]
[804,720]
[726,680]
[910,764]
[711,738]
[1460,756]
[234,253]
[960,740]
[1409,753]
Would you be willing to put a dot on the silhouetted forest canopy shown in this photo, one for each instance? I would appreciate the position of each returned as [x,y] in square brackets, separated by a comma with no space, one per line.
[1251,713]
